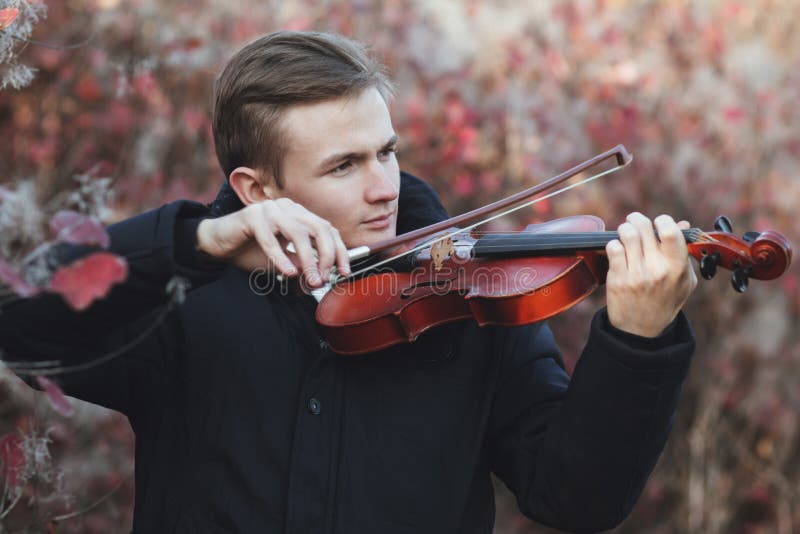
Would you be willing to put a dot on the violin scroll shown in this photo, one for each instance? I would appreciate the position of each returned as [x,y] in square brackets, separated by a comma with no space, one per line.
[763,256]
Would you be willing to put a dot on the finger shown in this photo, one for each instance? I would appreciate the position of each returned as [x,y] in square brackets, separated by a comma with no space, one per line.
[272,248]
[692,274]
[342,257]
[329,244]
[684,225]
[617,261]
[283,218]
[323,242]
[298,236]
[632,243]
[647,234]
[673,243]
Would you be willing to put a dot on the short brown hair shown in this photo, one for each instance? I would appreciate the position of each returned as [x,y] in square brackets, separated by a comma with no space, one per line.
[275,72]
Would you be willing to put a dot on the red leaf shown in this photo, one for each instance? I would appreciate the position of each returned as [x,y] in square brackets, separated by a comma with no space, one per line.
[734,113]
[56,397]
[193,119]
[192,43]
[15,281]
[7,16]
[88,89]
[144,83]
[74,227]
[463,185]
[299,23]
[188,44]
[13,458]
[88,279]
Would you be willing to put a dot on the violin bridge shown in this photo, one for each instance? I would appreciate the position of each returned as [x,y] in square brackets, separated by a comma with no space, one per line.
[440,251]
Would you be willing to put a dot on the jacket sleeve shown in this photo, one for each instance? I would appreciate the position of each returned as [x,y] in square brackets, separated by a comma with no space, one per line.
[157,245]
[578,452]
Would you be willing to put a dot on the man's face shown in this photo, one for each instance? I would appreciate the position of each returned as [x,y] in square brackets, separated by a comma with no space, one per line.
[340,164]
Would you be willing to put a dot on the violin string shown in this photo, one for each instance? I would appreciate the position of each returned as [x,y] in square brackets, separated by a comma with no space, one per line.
[578,240]
[585,240]
[692,235]
[339,278]
[695,234]
[694,231]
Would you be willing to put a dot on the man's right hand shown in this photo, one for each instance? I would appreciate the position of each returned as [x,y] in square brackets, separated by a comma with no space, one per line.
[257,235]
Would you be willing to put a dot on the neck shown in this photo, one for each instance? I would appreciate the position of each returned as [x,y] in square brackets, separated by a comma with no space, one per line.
[549,244]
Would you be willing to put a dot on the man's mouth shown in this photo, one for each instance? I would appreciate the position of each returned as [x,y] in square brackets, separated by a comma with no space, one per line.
[380,221]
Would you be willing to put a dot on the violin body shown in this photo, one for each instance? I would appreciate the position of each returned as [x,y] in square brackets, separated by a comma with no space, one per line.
[512,280]
[502,291]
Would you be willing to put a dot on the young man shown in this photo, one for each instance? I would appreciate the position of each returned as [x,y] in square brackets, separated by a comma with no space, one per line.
[244,419]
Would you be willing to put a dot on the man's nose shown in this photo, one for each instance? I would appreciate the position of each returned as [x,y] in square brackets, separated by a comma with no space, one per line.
[381,185]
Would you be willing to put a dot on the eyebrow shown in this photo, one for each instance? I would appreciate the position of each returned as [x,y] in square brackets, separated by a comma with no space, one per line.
[328,162]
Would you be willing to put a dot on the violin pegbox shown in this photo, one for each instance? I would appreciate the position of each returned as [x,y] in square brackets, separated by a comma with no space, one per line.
[760,255]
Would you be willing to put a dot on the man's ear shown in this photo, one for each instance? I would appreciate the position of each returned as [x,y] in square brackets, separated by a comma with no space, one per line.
[249,186]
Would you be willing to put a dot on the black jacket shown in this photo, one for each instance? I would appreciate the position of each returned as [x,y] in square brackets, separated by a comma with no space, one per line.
[246,422]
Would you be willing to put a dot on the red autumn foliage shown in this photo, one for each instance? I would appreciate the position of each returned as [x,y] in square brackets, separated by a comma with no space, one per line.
[8,16]
[12,459]
[88,279]
[79,229]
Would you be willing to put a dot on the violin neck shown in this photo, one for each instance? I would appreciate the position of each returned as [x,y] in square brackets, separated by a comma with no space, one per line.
[548,244]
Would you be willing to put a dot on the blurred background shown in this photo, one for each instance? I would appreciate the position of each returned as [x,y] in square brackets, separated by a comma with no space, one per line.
[493,96]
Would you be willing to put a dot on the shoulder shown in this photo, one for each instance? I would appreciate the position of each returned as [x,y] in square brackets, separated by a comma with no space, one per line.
[419,204]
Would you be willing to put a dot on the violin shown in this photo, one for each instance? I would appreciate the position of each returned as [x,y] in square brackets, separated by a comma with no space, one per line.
[509,279]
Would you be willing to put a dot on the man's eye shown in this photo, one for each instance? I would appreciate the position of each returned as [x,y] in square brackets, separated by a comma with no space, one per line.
[388,152]
[342,169]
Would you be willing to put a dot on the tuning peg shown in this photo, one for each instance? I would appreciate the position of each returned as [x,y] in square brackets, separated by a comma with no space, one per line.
[751,236]
[708,265]
[740,279]
[723,224]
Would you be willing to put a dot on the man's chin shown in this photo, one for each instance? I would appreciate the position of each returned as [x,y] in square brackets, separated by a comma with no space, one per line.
[370,237]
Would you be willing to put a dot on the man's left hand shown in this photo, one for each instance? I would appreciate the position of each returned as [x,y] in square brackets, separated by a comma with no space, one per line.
[649,276]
